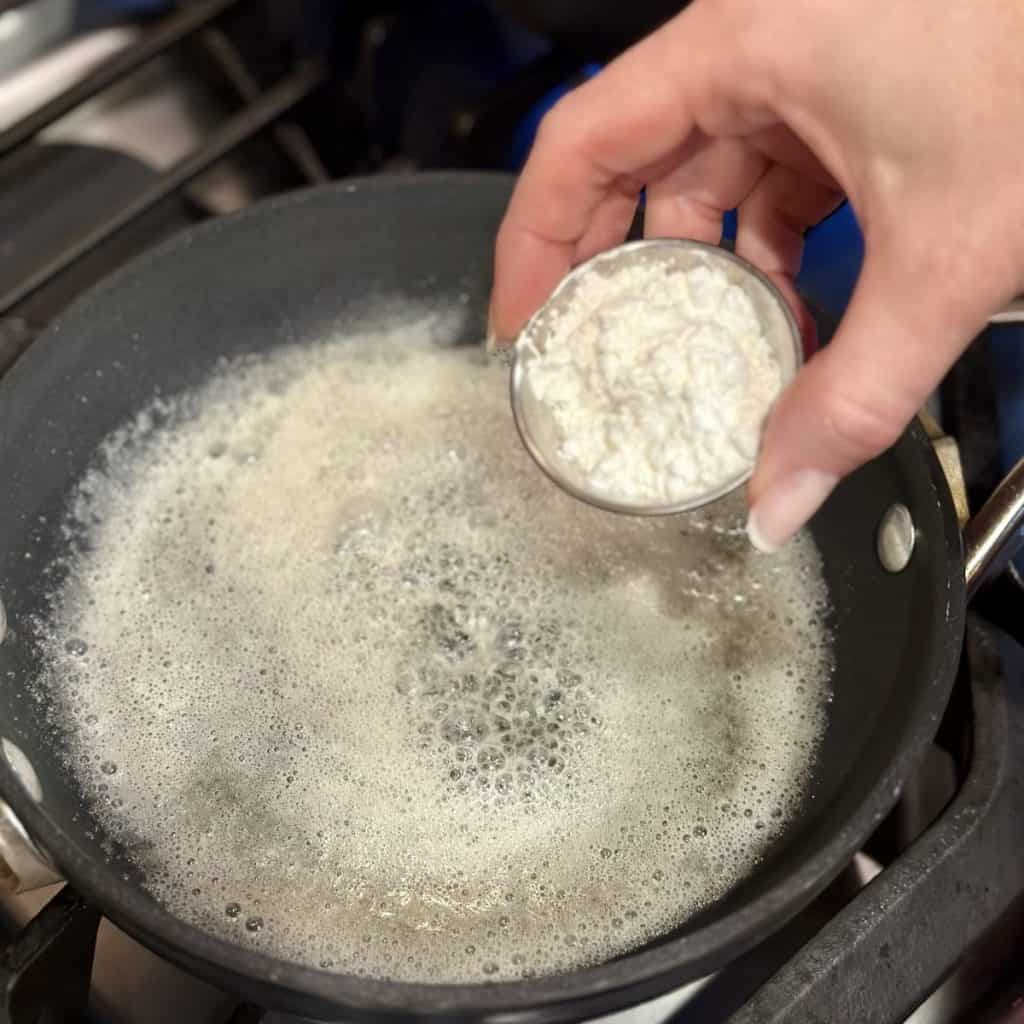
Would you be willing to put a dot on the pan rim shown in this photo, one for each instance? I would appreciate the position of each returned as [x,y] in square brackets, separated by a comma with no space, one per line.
[629,979]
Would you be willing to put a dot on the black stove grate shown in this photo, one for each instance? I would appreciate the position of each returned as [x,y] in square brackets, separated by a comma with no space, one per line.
[262,109]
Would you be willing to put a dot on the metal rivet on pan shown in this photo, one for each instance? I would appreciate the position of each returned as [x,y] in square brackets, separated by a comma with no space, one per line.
[896,537]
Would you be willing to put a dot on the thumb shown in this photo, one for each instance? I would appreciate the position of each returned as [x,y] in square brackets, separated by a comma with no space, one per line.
[852,400]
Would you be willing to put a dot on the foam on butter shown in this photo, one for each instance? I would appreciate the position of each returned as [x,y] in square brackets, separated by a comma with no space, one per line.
[357,686]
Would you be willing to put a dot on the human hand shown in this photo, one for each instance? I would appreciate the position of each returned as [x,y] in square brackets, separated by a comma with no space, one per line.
[912,110]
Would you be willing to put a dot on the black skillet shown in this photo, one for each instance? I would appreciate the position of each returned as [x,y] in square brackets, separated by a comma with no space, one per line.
[288,270]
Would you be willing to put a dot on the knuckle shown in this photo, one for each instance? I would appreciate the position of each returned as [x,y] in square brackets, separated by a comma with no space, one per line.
[753,46]
[858,427]
[555,126]
[548,126]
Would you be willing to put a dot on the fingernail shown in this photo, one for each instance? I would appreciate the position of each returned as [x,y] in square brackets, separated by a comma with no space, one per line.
[494,341]
[491,343]
[787,506]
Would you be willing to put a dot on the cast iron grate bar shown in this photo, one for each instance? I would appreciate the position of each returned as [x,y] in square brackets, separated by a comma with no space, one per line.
[233,132]
[290,137]
[164,35]
[46,968]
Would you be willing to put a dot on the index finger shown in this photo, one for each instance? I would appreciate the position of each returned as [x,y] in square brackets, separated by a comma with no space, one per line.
[593,154]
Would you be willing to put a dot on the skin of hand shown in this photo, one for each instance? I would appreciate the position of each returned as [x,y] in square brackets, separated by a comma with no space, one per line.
[911,109]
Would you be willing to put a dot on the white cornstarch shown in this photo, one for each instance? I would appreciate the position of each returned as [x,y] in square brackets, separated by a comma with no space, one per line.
[658,380]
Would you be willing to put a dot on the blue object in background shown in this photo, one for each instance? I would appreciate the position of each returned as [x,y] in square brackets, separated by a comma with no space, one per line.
[93,14]
[833,253]
[1007,348]
[527,129]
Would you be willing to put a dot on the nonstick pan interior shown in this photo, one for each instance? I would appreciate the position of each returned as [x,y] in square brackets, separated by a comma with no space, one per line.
[288,271]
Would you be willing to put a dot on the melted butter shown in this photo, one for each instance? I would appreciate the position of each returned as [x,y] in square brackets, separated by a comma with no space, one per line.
[355,685]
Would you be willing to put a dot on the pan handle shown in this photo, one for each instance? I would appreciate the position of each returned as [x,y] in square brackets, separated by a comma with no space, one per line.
[996,533]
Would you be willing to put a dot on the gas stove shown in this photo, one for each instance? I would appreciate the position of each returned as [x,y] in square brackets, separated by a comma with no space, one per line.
[118,137]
